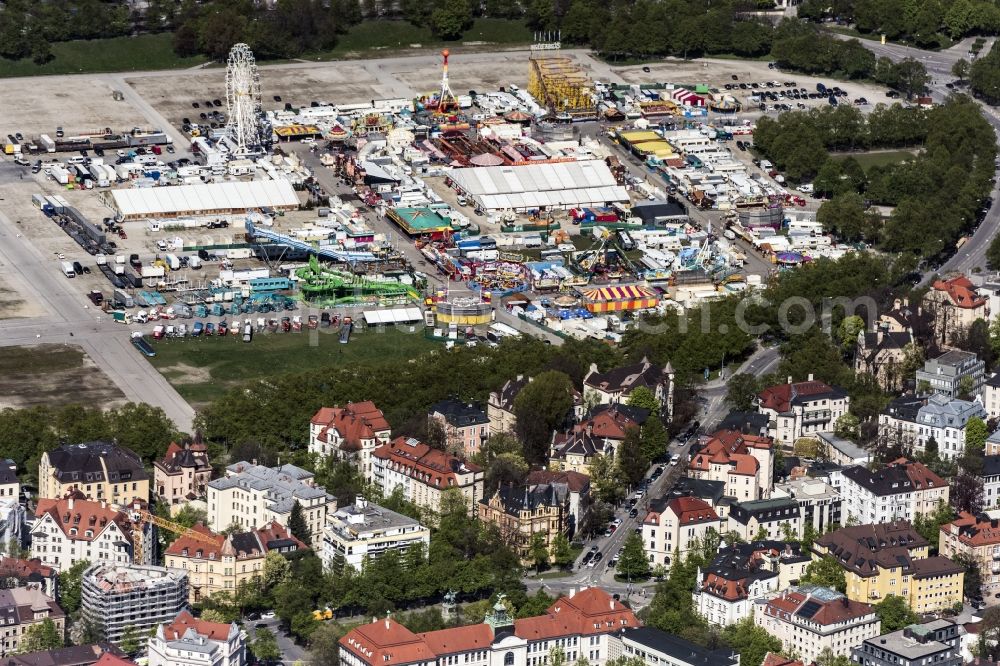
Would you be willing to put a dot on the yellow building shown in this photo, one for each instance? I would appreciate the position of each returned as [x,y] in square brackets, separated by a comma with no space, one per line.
[99,470]
[892,559]
[521,512]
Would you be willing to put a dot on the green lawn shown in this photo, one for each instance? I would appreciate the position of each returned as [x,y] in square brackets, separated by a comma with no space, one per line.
[202,369]
[40,359]
[391,35]
[881,158]
[117,54]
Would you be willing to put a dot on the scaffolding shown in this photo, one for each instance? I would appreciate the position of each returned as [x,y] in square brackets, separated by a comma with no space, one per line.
[559,84]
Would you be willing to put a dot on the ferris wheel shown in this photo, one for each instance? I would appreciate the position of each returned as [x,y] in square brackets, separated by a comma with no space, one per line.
[243,99]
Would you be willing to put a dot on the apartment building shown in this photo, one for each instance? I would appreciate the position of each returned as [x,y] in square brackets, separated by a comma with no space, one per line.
[115,597]
[675,524]
[466,425]
[189,641]
[584,625]
[77,655]
[599,433]
[365,530]
[745,463]
[500,406]
[955,305]
[819,502]
[799,409]
[100,470]
[71,530]
[424,474]
[946,374]
[616,385]
[902,489]
[16,572]
[892,559]
[726,590]
[914,420]
[10,487]
[351,433]
[991,480]
[882,355]
[653,646]
[778,517]
[221,563]
[977,537]
[21,608]
[809,619]
[935,642]
[520,512]
[575,487]
[250,496]
[183,472]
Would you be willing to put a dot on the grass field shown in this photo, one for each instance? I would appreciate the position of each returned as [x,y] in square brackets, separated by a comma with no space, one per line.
[880,158]
[202,369]
[53,375]
[118,54]
[395,35]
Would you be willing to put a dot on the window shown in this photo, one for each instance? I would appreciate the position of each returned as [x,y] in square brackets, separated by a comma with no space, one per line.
[508,659]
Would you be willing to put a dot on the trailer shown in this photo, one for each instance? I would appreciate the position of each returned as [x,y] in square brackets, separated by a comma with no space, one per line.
[67,269]
[123,300]
[47,143]
[121,317]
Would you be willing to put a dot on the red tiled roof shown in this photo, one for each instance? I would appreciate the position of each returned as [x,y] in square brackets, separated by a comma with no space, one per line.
[730,447]
[773,659]
[830,612]
[11,567]
[779,398]
[691,510]
[960,291]
[192,545]
[724,588]
[355,422]
[459,639]
[429,466]
[83,515]
[386,642]
[215,631]
[973,532]
[108,659]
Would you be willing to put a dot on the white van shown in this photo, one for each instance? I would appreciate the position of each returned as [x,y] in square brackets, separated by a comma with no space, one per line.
[766,165]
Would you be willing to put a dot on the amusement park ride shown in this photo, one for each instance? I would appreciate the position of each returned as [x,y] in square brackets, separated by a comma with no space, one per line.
[443,107]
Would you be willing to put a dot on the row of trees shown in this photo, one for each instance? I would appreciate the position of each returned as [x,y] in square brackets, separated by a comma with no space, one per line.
[984,76]
[926,24]
[27,28]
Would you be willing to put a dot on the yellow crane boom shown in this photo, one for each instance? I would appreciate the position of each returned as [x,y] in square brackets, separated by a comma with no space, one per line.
[140,517]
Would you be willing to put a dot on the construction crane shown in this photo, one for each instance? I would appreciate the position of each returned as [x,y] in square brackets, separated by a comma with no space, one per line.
[140,517]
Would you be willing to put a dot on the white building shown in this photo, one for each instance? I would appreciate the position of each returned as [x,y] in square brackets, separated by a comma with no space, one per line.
[991,396]
[653,646]
[250,496]
[9,485]
[916,420]
[802,408]
[810,619]
[71,530]
[676,524]
[901,489]
[116,597]
[349,433]
[819,502]
[363,530]
[188,641]
[11,521]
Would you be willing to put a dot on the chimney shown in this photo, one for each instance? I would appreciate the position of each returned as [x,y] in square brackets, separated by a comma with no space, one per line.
[104,504]
[70,504]
[810,376]
[789,379]
[387,620]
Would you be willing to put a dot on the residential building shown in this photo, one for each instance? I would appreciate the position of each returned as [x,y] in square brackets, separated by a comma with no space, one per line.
[976,537]
[10,487]
[71,530]
[600,433]
[250,496]
[349,433]
[615,386]
[819,502]
[802,408]
[116,596]
[77,655]
[779,518]
[675,524]
[108,659]
[745,463]
[100,470]
[12,519]
[809,619]
[900,318]
[950,372]
[882,354]
[520,512]
[935,642]
[892,559]
[746,423]
[424,474]
[901,489]
[955,305]
[713,492]
[16,572]
[189,641]
[653,646]
[842,451]
[993,444]
[943,419]
[500,406]
[219,563]
[365,530]
[466,426]
[991,481]
[726,590]
[584,625]
[991,395]
[773,659]
[21,608]
[573,485]
[183,472]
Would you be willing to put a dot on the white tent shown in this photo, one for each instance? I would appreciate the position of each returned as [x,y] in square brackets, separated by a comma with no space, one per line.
[206,199]
[395,316]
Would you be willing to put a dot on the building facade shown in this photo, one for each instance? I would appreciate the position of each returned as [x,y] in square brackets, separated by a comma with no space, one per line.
[21,608]
[183,473]
[599,433]
[250,496]
[745,463]
[365,530]
[349,433]
[16,572]
[799,409]
[809,619]
[979,539]
[819,502]
[913,421]
[99,470]
[948,373]
[774,519]
[935,642]
[653,646]
[902,489]
[882,354]
[615,386]
[521,512]
[189,641]
[500,406]
[466,426]
[675,524]
[115,597]
[954,305]
[219,563]
[424,474]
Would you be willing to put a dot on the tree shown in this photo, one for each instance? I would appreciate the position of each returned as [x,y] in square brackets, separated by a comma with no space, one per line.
[741,392]
[297,524]
[41,636]
[961,68]
[633,563]
[277,569]
[643,398]
[557,656]
[912,77]
[562,554]
[847,427]
[654,439]
[540,408]
[976,433]
[848,331]
[630,459]
[826,657]
[265,646]
[826,572]
[895,613]
[69,589]
[967,492]
[131,641]
[450,19]
[607,479]
[993,253]
[538,551]
[929,525]
[750,641]
[973,582]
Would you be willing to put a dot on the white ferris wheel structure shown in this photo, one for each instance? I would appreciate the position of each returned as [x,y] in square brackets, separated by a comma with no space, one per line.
[243,99]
